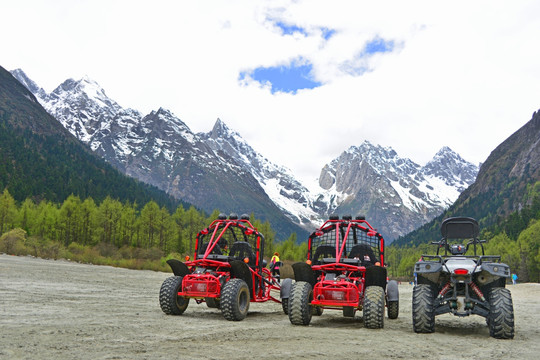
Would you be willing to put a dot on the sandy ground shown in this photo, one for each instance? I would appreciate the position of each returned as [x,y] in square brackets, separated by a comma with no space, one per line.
[63,310]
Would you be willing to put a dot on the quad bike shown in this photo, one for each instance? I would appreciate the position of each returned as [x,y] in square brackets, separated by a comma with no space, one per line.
[228,282]
[343,271]
[462,284]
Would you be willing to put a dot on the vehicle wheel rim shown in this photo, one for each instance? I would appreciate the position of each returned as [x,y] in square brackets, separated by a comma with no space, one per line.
[242,301]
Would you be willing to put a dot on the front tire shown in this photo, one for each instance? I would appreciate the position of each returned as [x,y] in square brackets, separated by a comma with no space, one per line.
[299,303]
[235,300]
[423,309]
[373,310]
[501,314]
[170,302]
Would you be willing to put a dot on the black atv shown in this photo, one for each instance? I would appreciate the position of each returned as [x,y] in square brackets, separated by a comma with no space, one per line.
[462,284]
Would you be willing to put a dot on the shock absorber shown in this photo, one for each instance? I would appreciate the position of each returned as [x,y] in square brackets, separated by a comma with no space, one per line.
[477,291]
[444,290]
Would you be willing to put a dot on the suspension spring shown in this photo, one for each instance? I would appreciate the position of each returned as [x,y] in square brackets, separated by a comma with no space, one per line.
[476,289]
[444,290]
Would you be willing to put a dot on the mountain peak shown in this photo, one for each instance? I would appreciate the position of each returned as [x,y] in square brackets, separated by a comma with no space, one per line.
[222,131]
[159,148]
[28,83]
[220,127]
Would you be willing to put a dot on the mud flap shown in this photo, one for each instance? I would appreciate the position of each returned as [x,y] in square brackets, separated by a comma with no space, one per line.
[376,275]
[392,291]
[285,290]
[303,272]
[178,267]
[240,270]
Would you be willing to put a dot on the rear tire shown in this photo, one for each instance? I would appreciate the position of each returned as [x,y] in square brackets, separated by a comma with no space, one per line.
[170,302]
[348,311]
[423,309]
[317,310]
[235,300]
[373,310]
[501,314]
[285,305]
[299,303]
[393,309]
[212,303]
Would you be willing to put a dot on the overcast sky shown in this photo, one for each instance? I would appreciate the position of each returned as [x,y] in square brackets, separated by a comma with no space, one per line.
[301,81]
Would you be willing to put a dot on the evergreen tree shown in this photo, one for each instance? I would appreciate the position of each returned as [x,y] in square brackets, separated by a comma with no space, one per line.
[193,222]
[89,221]
[128,225]
[529,245]
[179,244]
[108,217]
[149,225]
[26,215]
[8,211]
[70,219]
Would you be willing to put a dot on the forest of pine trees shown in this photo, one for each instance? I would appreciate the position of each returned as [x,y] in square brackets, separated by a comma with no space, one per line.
[128,235]
[112,232]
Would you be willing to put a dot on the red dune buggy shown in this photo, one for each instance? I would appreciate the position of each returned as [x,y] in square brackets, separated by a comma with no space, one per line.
[227,272]
[344,271]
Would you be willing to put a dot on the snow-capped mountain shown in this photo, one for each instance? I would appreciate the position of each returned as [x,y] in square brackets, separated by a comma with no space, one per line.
[292,197]
[220,170]
[398,194]
[394,193]
[161,150]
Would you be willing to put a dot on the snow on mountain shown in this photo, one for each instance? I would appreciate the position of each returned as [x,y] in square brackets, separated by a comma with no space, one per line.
[423,191]
[394,193]
[292,197]
[400,194]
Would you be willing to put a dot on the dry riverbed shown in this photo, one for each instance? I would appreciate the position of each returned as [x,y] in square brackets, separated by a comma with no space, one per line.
[63,310]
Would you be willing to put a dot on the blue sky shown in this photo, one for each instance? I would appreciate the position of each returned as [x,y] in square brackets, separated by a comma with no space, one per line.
[300,80]
[298,73]
[285,78]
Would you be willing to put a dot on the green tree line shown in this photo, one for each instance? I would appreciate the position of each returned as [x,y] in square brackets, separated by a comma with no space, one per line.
[516,239]
[124,233]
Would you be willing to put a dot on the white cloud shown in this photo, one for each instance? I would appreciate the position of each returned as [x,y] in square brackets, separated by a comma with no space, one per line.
[465,74]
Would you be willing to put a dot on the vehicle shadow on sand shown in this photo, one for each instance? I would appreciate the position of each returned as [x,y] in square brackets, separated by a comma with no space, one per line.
[462,328]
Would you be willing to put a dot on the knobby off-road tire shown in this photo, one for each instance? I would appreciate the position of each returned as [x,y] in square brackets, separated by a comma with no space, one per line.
[212,302]
[316,310]
[373,311]
[423,309]
[235,300]
[501,314]
[285,306]
[170,302]
[393,309]
[299,303]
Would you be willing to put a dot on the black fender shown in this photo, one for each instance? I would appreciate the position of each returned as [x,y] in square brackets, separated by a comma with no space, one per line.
[303,272]
[240,270]
[497,269]
[285,289]
[376,275]
[178,267]
[427,267]
[392,291]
